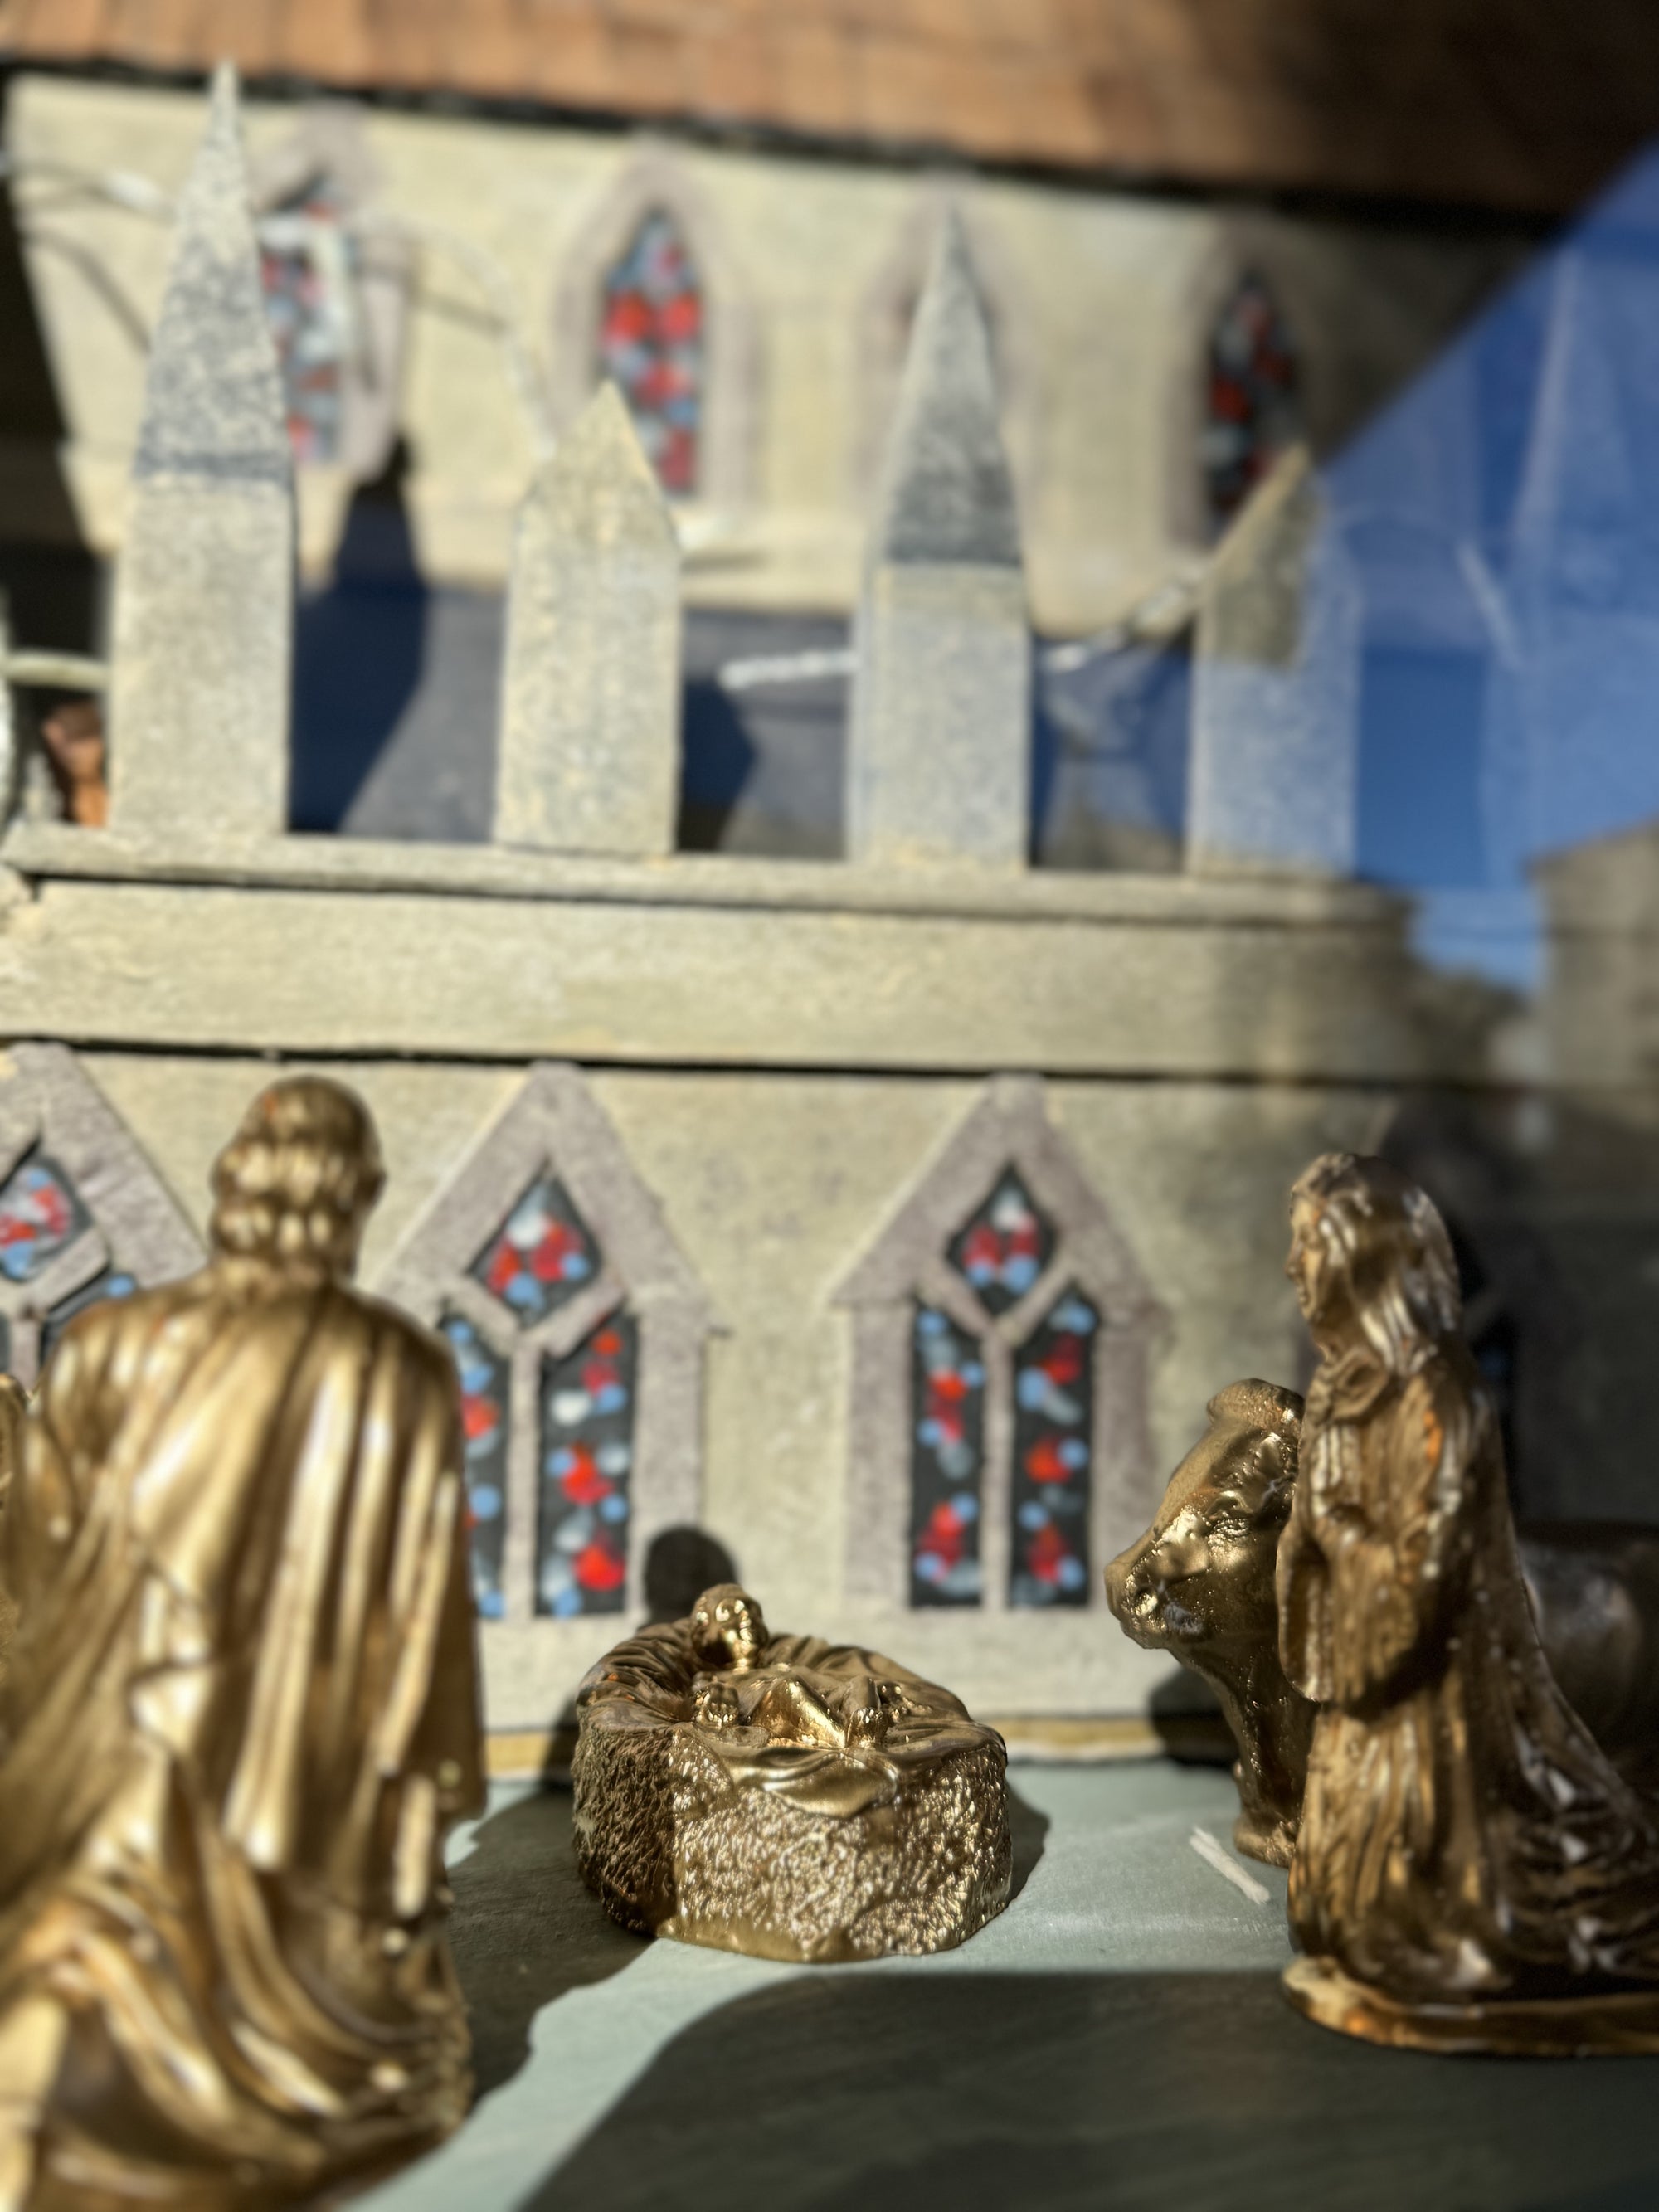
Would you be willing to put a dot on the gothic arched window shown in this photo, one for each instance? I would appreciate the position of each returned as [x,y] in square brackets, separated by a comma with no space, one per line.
[652,294]
[1252,400]
[1001,1328]
[307,263]
[577,1330]
[83,1216]
[336,290]
[651,345]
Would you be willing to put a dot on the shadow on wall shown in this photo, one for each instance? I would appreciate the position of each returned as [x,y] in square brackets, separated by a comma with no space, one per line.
[49,580]
[1109,763]
[359,653]
[844,2091]
[680,1564]
[762,766]
[397,695]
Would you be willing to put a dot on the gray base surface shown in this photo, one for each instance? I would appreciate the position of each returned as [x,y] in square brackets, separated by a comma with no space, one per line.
[1116,2039]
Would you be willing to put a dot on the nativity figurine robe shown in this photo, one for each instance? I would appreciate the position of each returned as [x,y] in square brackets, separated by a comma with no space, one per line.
[240,1712]
[1470,1871]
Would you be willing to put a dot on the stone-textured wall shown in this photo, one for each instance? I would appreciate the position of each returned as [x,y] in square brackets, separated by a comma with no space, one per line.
[1100,303]
[772,1185]
[768,1065]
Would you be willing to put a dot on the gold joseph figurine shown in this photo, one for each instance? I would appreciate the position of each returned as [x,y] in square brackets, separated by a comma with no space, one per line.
[1471,1872]
[782,1795]
[241,1712]
[1200,1585]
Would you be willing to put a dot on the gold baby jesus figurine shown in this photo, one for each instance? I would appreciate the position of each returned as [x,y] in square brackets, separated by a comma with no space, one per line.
[1471,1872]
[782,1795]
[241,1711]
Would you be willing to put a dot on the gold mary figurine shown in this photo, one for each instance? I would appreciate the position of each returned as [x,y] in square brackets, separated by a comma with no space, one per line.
[241,1712]
[1200,1585]
[782,1795]
[1471,1874]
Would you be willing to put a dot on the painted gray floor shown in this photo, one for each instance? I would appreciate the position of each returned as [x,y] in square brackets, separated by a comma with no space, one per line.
[1115,2039]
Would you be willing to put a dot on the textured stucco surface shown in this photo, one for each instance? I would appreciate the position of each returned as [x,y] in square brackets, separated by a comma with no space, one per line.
[1100,304]
[589,747]
[205,595]
[262,969]
[773,1186]
[1275,731]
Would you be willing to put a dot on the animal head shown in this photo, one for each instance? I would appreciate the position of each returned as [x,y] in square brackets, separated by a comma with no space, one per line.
[1200,1581]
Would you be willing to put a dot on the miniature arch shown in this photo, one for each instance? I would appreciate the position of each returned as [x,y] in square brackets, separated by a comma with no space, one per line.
[83,1215]
[887,311]
[367,285]
[657,181]
[556,1138]
[907,1269]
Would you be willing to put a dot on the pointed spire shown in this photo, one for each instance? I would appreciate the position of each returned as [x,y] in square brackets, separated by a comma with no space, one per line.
[600,483]
[205,590]
[946,494]
[1274,774]
[589,759]
[1251,606]
[213,399]
[938,746]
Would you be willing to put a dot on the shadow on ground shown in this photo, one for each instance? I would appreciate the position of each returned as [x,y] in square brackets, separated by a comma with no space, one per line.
[857,2091]
[525,1929]
[1028,1828]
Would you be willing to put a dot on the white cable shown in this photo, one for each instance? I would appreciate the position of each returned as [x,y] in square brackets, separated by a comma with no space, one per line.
[283,228]
[1216,1854]
[55,671]
[749,675]
[493,282]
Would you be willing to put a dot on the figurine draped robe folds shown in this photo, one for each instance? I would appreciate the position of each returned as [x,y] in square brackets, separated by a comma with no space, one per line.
[1471,1872]
[783,1795]
[240,1712]
[1200,1584]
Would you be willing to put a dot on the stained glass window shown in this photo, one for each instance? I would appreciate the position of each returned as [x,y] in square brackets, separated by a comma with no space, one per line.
[651,344]
[485,1421]
[588,1461]
[1054,1446]
[308,265]
[1251,400]
[113,1283]
[1002,1248]
[40,1215]
[947,1461]
[1031,1382]
[542,1255]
